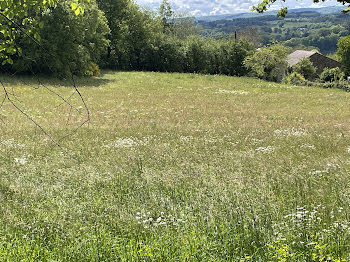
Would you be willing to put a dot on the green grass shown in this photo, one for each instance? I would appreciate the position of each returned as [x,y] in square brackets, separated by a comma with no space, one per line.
[176,167]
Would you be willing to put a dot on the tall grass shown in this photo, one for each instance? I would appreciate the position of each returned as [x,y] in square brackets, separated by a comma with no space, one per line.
[176,167]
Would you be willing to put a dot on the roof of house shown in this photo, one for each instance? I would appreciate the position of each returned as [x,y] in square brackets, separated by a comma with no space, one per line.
[297,55]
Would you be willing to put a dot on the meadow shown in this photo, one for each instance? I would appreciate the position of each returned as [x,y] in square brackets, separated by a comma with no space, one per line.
[175,167]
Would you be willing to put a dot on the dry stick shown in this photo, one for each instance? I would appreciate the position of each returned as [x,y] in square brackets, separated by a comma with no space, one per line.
[20,28]
[13,74]
[3,101]
[32,120]
[74,84]
[86,108]
[1,104]
[70,114]
[65,101]
[50,90]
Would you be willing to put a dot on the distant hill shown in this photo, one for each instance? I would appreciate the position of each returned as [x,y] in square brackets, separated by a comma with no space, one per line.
[322,10]
[304,28]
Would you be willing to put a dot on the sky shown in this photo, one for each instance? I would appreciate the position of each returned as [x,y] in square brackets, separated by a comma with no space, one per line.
[221,7]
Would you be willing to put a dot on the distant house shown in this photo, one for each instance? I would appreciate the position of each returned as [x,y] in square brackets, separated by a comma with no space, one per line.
[318,60]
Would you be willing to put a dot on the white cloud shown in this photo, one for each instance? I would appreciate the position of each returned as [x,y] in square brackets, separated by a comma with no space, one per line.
[216,7]
[196,12]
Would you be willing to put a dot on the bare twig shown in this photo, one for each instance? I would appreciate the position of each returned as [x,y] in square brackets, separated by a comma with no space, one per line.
[65,101]
[31,119]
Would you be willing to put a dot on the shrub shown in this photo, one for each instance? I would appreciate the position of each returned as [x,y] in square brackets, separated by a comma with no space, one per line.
[92,69]
[269,63]
[343,52]
[305,68]
[294,79]
[331,75]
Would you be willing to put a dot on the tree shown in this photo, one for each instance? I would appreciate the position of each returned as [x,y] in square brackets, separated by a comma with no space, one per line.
[233,54]
[269,63]
[131,32]
[68,44]
[166,14]
[18,18]
[343,53]
[305,68]
[184,27]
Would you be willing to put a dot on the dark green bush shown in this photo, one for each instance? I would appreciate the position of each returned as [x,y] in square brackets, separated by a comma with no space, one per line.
[331,75]
[69,43]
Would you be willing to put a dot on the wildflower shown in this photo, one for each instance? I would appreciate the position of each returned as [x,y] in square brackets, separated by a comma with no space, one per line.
[289,132]
[348,149]
[21,161]
[266,149]
[234,92]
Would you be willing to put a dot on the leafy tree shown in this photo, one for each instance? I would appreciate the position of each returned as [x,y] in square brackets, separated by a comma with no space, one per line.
[183,27]
[163,53]
[305,68]
[268,63]
[18,18]
[343,53]
[196,60]
[233,54]
[131,32]
[166,14]
[69,43]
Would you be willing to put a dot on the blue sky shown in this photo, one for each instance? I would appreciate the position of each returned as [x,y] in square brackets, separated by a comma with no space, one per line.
[217,7]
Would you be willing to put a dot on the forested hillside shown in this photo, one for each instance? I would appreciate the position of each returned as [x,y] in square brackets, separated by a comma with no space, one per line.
[308,28]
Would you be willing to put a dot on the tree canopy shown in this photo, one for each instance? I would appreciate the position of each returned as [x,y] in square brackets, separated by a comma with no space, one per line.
[22,17]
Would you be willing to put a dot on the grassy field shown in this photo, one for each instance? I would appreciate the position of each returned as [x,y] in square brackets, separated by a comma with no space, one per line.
[175,167]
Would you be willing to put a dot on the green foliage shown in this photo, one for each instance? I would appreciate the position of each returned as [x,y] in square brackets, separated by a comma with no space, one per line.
[233,53]
[197,57]
[183,27]
[343,53]
[166,15]
[305,68]
[77,41]
[18,19]
[332,75]
[294,79]
[299,30]
[164,54]
[131,32]
[268,63]
[280,252]
[92,69]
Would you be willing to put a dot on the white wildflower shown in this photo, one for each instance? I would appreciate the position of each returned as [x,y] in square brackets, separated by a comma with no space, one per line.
[289,132]
[234,92]
[124,143]
[266,149]
[308,146]
[11,143]
[22,160]
[348,149]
